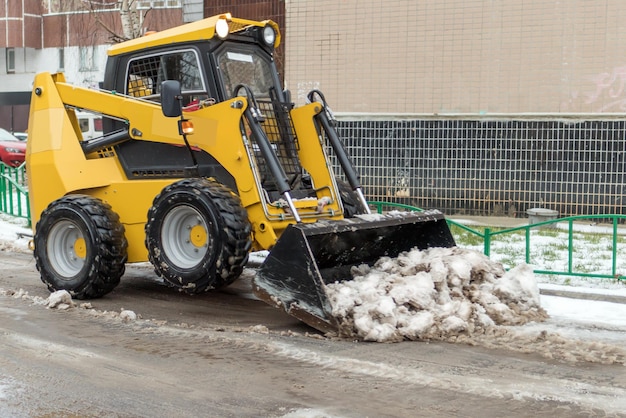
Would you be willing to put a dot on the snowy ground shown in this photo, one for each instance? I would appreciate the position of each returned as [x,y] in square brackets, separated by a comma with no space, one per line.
[591,251]
[458,295]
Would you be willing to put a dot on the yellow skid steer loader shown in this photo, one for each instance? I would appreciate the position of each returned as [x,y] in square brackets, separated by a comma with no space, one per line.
[239,169]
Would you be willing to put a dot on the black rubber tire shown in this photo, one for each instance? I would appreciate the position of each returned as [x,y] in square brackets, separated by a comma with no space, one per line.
[95,247]
[350,200]
[198,235]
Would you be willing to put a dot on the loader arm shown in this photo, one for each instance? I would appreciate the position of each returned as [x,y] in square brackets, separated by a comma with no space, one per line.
[60,162]
[145,119]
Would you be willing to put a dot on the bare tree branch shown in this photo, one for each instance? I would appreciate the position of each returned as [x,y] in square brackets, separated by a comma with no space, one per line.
[131,25]
[103,13]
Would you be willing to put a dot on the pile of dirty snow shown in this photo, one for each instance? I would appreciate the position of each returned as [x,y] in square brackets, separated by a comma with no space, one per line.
[433,294]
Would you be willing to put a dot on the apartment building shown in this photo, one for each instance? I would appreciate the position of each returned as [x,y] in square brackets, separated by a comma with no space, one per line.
[65,35]
[72,36]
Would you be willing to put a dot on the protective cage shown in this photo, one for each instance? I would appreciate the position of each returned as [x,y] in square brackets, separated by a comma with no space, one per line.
[279,130]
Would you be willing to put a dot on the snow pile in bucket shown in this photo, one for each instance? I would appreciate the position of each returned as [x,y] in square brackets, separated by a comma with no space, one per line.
[437,293]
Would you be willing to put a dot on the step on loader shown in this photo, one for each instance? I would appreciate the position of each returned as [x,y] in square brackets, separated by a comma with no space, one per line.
[203,158]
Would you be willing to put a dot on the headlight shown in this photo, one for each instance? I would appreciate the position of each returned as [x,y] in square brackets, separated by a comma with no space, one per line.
[221,28]
[14,150]
[269,35]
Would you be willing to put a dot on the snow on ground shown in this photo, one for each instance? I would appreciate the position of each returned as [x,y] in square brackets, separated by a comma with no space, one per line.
[14,233]
[591,251]
[454,295]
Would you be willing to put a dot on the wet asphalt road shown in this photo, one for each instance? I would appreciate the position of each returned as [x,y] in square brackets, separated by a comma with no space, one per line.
[227,354]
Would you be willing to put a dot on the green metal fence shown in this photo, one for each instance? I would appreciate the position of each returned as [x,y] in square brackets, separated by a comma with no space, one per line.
[14,192]
[487,236]
[14,201]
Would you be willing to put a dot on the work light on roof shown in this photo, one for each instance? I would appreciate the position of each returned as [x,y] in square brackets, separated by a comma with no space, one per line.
[221,28]
[269,35]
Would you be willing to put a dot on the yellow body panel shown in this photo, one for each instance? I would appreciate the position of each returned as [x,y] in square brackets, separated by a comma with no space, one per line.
[312,156]
[57,165]
[131,201]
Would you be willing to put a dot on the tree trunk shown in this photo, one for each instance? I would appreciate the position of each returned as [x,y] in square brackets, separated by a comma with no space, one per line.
[130,19]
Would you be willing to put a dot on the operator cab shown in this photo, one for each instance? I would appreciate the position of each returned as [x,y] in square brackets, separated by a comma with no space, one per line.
[213,61]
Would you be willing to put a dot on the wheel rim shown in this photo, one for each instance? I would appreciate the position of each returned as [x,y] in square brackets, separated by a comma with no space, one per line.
[185,237]
[67,248]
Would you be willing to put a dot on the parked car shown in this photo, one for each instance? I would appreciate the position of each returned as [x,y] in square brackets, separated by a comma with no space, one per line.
[90,124]
[12,150]
[22,136]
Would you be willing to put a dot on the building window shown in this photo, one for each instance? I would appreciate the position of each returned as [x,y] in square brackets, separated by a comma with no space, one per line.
[10,60]
[87,62]
[150,4]
[61,59]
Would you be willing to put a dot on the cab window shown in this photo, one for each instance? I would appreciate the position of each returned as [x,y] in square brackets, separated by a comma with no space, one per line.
[145,74]
[245,67]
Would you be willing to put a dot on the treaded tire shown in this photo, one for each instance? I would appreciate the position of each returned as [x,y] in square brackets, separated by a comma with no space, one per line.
[350,200]
[198,235]
[80,247]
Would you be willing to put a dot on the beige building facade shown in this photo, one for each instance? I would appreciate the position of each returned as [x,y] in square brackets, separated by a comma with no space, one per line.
[459,56]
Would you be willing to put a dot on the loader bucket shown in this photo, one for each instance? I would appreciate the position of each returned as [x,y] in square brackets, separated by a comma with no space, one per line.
[309,256]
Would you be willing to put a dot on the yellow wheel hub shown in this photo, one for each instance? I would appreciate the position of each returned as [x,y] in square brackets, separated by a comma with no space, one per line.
[198,236]
[80,248]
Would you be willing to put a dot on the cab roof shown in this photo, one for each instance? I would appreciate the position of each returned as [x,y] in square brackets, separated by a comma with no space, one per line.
[201,30]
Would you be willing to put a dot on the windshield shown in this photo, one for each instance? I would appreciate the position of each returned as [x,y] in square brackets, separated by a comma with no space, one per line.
[245,67]
[6,136]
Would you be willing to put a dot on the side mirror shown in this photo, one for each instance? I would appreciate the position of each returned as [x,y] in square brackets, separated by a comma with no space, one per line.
[171,98]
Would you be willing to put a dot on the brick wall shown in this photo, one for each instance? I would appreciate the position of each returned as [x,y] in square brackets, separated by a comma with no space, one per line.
[254,10]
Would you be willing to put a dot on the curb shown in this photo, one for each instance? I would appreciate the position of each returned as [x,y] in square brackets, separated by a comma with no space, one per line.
[583,296]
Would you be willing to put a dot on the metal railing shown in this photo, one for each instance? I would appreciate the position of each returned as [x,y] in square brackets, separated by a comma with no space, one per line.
[14,201]
[14,192]
[488,234]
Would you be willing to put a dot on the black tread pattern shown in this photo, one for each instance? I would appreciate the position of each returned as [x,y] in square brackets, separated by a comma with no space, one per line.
[235,234]
[110,246]
[237,230]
